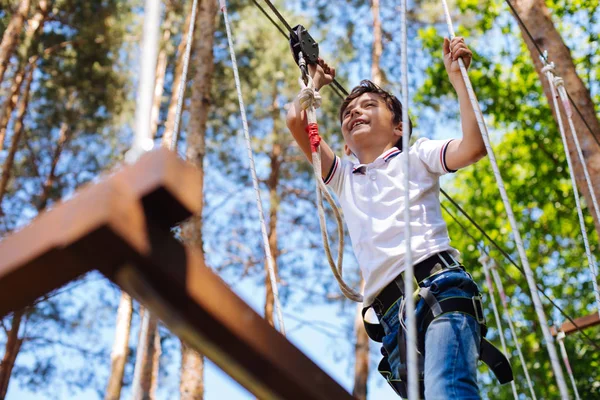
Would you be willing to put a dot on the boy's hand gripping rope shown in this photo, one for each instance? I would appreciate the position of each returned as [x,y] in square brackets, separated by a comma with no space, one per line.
[309,100]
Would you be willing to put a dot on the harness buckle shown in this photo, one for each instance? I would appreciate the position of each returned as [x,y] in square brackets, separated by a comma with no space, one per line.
[478,309]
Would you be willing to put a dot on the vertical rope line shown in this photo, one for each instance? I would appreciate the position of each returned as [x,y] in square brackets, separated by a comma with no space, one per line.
[183,82]
[142,141]
[563,351]
[263,225]
[485,261]
[558,373]
[409,272]
[307,101]
[551,80]
[513,332]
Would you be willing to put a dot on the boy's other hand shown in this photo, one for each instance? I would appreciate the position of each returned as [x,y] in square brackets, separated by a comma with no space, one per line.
[321,73]
[453,50]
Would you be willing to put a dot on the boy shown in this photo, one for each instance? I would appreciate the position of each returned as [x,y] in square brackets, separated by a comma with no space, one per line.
[371,194]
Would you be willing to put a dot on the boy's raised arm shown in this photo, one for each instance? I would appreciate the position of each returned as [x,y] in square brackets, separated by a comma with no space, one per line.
[296,121]
[470,149]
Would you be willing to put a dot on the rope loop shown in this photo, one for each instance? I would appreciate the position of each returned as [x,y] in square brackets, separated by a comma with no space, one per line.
[309,97]
[559,82]
[549,67]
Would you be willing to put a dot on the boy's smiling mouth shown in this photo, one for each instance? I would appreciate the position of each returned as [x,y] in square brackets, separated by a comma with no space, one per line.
[357,122]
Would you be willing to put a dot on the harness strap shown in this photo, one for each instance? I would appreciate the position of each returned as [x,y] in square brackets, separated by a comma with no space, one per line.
[488,353]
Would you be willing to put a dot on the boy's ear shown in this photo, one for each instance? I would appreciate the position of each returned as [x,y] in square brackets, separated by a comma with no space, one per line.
[398,129]
[347,150]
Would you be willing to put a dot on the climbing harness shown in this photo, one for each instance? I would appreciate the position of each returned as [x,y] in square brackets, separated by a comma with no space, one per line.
[310,99]
[557,84]
[560,379]
[472,306]
[263,225]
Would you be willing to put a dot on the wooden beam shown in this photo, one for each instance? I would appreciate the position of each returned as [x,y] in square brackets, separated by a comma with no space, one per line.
[121,227]
[72,238]
[175,284]
[580,323]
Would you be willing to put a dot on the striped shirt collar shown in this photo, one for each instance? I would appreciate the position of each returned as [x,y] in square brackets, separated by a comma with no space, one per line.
[387,156]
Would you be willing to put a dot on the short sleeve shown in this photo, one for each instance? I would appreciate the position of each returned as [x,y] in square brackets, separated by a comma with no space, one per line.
[334,178]
[433,154]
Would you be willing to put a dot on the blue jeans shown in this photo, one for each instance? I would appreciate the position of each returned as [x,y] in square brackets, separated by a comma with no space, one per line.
[451,342]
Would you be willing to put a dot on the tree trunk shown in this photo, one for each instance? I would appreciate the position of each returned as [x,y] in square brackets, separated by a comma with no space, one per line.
[178,75]
[143,382]
[192,374]
[536,16]
[276,156]
[192,364]
[11,350]
[361,354]
[377,44]
[120,350]
[34,26]
[18,130]
[11,36]
[11,102]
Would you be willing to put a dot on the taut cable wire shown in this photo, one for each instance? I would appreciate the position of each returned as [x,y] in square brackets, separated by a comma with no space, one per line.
[263,225]
[563,351]
[513,332]
[409,271]
[552,80]
[558,373]
[485,261]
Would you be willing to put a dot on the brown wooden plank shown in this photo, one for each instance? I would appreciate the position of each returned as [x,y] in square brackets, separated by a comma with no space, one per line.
[73,237]
[174,283]
[580,323]
[68,241]
[168,186]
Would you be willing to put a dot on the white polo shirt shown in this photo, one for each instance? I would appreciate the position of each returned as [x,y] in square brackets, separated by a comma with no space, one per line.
[372,198]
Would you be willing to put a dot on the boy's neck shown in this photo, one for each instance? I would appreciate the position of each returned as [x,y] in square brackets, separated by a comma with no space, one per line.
[367,156]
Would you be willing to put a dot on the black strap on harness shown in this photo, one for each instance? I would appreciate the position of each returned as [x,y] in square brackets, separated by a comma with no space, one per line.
[489,354]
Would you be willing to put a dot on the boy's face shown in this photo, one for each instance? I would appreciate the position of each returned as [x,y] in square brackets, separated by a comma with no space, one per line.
[368,123]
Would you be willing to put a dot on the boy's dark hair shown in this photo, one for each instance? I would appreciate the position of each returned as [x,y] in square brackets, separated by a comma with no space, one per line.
[392,102]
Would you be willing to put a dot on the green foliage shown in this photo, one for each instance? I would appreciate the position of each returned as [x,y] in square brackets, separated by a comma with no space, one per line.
[529,151]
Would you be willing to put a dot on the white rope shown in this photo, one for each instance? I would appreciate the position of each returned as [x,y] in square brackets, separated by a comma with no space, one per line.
[513,332]
[183,82]
[555,80]
[263,225]
[563,351]
[485,260]
[558,373]
[310,99]
[409,272]
[142,141]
